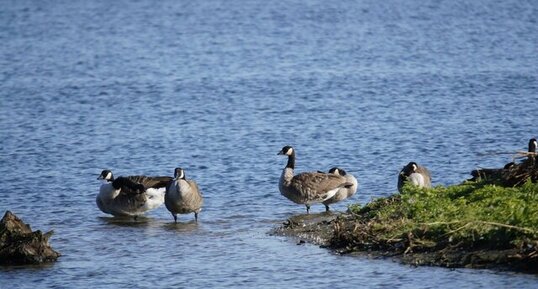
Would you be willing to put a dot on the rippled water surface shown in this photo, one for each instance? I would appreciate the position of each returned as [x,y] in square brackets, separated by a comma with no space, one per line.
[218,87]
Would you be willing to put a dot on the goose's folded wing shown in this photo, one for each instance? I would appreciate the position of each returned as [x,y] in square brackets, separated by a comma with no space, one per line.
[425,172]
[196,190]
[318,182]
[128,186]
[152,182]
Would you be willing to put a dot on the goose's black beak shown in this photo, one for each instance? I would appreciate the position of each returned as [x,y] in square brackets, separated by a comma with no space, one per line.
[280,153]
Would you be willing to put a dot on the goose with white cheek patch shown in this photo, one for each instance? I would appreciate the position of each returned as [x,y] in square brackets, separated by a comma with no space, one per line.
[417,175]
[309,187]
[183,196]
[131,195]
[342,193]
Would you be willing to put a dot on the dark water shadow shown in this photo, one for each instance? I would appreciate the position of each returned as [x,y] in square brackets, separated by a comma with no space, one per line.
[182,226]
[124,221]
[30,267]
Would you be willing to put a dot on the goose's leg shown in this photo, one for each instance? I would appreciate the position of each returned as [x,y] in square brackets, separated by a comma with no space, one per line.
[175,218]
[196,217]
[327,208]
[307,209]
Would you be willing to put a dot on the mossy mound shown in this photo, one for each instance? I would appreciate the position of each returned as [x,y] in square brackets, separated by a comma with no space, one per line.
[474,225]
[20,246]
[468,225]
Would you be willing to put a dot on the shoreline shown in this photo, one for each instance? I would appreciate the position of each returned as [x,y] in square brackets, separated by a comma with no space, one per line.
[321,229]
[471,225]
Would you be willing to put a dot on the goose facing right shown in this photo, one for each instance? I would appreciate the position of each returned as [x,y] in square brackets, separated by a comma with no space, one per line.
[183,196]
[343,193]
[308,187]
[416,175]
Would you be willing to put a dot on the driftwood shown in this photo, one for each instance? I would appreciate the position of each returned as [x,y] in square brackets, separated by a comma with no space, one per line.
[20,246]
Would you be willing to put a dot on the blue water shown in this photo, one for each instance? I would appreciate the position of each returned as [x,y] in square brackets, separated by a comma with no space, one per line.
[218,87]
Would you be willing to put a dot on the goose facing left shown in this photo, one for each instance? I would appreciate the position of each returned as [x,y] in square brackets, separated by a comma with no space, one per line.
[131,195]
[309,187]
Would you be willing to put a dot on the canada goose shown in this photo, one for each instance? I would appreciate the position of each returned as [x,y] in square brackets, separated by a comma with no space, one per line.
[416,175]
[183,196]
[343,193]
[532,152]
[309,187]
[130,196]
[532,145]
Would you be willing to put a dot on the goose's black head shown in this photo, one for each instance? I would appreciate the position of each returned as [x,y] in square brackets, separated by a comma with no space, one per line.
[106,175]
[287,150]
[409,169]
[532,145]
[337,171]
[179,173]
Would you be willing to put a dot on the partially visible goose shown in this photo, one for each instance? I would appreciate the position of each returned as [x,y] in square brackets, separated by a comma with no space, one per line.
[343,193]
[132,195]
[532,149]
[309,187]
[532,145]
[416,175]
[183,196]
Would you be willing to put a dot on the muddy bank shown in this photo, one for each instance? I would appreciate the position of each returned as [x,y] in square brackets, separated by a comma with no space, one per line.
[20,246]
[340,233]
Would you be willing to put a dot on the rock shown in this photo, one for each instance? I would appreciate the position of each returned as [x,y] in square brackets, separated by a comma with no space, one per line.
[312,228]
[20,246]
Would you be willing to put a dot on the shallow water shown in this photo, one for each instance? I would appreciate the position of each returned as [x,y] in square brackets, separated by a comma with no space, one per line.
[218,87]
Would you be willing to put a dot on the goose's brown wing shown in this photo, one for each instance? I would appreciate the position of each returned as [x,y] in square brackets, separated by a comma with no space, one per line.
[151,182]
[127,186]
[197,197]
[426,173]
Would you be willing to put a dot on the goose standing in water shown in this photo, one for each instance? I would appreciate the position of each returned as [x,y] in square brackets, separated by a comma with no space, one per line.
[343,193]
[132,195]
[183,196]
[416,175]
[309,187]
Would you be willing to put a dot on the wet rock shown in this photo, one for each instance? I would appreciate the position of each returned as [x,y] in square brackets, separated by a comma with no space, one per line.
[20,246]
[312,228]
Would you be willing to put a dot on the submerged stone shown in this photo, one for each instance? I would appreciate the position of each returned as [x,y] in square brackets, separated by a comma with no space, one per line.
[20,246]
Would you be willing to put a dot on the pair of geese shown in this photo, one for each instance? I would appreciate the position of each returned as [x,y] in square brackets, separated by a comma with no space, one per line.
[135,195]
